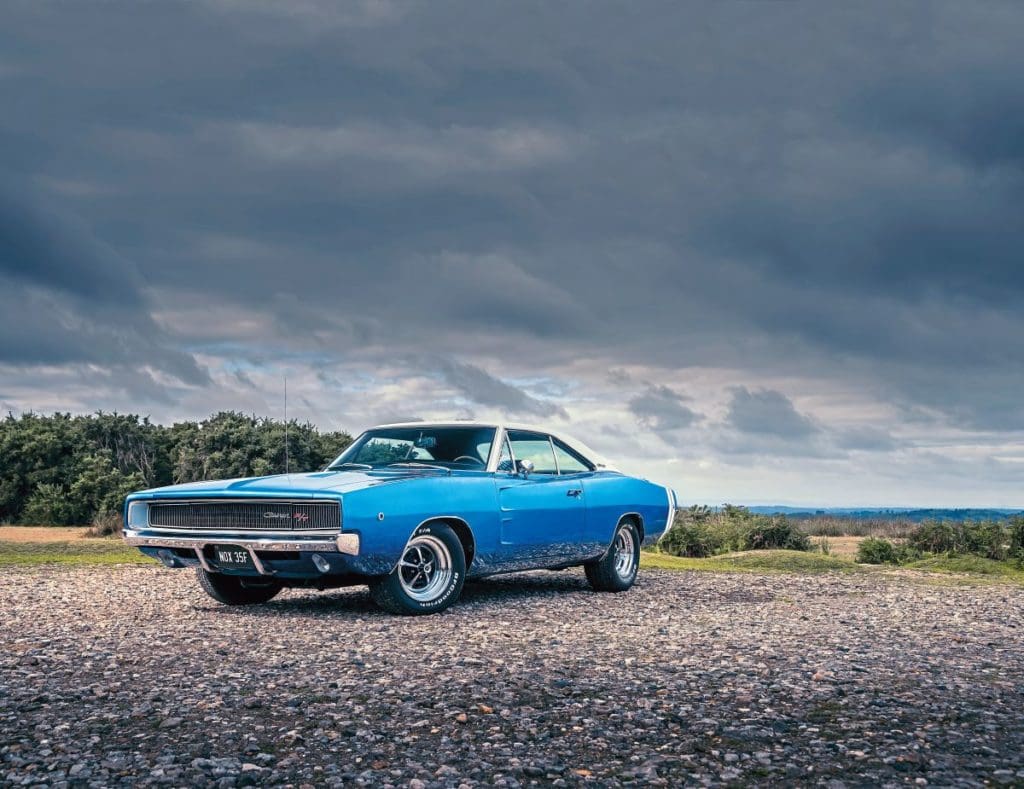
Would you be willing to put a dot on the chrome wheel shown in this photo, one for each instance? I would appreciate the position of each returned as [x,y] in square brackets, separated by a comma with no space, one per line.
[425,570]
[625,554]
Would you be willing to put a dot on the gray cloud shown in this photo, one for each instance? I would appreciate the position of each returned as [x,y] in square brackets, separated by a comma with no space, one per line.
[67,299]
[767,412]
[481,387]
[661,408]
[866,439]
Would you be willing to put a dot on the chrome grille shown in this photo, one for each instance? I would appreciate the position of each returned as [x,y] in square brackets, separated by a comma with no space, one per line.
[246,516]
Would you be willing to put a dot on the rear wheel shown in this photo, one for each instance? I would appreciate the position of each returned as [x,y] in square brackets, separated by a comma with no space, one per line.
[616,570]
[429,576]
[236,590]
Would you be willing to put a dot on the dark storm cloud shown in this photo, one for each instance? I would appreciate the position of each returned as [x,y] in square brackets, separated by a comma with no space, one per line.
[660,408]
[772,188]
[67,299]
[767,412]
[481,387]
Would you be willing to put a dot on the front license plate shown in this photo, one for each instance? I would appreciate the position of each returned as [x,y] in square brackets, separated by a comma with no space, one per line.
[232,556]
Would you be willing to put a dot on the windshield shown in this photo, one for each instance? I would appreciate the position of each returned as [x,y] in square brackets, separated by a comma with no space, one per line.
[448,447]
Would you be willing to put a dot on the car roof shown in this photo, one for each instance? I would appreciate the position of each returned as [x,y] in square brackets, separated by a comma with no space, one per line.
[595,457]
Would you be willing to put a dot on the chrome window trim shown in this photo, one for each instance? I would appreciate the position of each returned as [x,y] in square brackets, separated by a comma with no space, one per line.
[540,434]
[557,442]
[495,455]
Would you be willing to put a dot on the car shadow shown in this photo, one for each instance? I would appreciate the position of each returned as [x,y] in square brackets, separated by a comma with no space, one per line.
[355,603]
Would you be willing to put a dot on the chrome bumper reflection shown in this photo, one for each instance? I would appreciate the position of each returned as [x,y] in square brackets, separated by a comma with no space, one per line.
[343,543]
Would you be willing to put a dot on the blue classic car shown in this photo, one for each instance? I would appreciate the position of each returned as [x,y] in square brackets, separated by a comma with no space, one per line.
[412,510]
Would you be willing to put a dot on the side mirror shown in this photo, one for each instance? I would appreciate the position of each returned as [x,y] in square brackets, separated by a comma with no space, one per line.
[526,468]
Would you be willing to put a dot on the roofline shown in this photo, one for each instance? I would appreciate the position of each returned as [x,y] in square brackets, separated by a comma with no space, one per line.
[595,457]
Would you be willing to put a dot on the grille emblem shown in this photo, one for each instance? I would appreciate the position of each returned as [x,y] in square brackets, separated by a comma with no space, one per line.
[270,515]
[301,517]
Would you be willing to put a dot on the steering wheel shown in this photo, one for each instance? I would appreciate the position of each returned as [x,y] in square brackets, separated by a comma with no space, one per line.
[478,461]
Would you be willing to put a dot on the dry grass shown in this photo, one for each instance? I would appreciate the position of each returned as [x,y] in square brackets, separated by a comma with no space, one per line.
[840,547]
[838,526]
[43,534]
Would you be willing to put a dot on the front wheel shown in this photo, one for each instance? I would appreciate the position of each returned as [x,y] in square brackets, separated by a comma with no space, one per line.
[236,590]
[616,570]
[429,576]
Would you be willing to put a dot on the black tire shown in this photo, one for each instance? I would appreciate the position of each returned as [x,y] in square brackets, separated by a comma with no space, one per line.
[616,570]
[429,576]
[235,590]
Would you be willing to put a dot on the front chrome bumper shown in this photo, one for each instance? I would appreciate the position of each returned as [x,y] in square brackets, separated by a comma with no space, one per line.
[343,543]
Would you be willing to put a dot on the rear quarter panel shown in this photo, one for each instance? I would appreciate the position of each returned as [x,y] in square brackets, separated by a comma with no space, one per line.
[610,495]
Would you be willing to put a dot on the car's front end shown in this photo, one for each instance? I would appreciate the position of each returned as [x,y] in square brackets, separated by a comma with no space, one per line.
[284,537]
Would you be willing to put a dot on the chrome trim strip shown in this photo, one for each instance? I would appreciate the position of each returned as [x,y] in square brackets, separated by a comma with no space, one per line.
[151,541]
[246,532]
[671,514]
[243,500]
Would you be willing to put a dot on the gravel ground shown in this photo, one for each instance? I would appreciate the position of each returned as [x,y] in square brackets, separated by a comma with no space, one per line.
[130,674]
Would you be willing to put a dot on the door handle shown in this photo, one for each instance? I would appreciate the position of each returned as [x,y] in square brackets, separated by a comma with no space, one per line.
[576,492]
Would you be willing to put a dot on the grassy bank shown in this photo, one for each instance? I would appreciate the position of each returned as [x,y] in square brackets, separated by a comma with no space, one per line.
[37,545]
[937,569]
[753,562]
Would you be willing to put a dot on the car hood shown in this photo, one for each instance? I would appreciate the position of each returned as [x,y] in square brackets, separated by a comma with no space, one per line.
[298,485]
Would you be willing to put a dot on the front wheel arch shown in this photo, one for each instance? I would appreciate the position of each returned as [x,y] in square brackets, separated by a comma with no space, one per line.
[459,526]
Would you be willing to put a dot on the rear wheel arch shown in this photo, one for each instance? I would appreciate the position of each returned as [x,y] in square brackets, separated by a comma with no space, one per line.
[636,519]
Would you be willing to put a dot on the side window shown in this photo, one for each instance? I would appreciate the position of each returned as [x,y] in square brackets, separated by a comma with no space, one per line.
[569,462]
[535,448]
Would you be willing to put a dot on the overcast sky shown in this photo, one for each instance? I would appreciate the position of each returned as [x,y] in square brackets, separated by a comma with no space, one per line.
[762,252]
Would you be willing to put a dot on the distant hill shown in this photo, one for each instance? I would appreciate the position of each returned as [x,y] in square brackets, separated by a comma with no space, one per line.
[903,513]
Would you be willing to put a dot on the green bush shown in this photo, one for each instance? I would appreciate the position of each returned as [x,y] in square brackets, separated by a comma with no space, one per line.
[700,531]
[877,550]
[990,539]
[774,531]
[48,504]
[1016,529]
[64,469]
[696,540]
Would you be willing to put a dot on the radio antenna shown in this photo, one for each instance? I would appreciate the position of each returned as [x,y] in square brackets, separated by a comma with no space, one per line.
[286,424]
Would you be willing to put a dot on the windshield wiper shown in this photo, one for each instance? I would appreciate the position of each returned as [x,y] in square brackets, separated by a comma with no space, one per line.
[420,464]
[349,465]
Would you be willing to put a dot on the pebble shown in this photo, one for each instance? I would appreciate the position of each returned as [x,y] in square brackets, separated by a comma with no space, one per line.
[118,675]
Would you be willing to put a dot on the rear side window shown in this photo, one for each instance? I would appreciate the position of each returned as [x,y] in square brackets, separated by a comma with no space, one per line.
[569,461]
[534,447]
